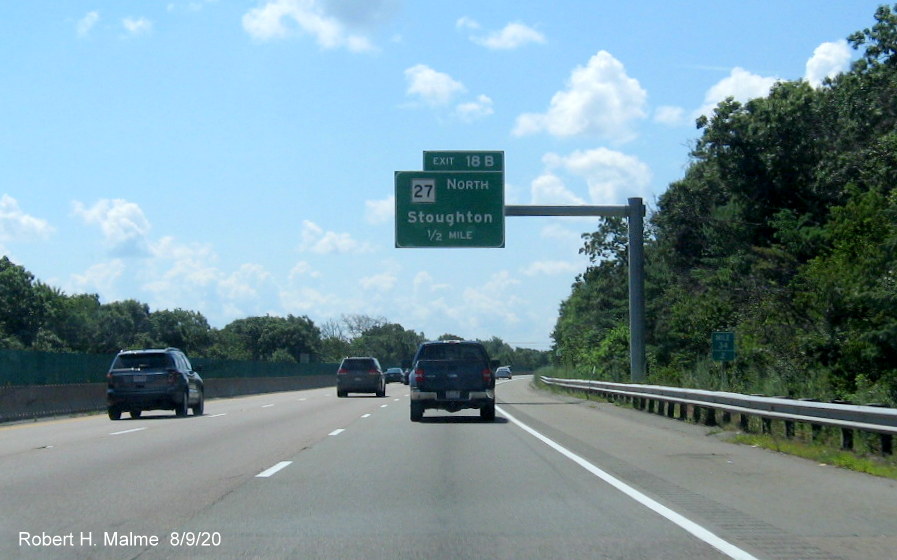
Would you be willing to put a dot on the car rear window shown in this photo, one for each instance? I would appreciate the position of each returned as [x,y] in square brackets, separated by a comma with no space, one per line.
[141,361]
[358,363]
[466,352]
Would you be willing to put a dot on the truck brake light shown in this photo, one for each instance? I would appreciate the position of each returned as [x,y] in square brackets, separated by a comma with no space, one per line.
[419,375]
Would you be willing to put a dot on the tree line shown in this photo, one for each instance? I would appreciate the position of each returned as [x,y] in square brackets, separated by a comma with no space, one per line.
[783,230]
[36,316]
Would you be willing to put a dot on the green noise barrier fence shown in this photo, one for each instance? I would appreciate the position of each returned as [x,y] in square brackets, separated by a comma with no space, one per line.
[24,367]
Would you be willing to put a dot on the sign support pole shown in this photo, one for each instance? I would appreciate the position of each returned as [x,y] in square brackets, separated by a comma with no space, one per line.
[635,212]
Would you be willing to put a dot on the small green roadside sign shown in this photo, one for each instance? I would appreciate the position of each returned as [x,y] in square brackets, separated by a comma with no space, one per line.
[723,346]
[450,209]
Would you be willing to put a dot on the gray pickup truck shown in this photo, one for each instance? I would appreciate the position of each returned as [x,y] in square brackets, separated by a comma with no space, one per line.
[452,375]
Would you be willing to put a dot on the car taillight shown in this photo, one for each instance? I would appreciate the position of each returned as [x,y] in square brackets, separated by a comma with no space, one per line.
[373,372]
[173,376]
[342,371]
[419,375]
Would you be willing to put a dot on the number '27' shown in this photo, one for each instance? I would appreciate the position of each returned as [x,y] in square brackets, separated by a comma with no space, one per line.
[423,191]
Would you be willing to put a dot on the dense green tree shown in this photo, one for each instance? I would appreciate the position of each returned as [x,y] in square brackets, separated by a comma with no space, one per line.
[782,229]
[187,330]
[21,306]
[390,343]
[122,325]
[259,338]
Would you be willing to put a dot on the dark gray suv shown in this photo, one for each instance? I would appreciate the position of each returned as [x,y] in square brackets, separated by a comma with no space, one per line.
[360,375]
[160,379]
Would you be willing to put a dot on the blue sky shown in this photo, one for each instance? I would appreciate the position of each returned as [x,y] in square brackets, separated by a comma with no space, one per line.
[238,158]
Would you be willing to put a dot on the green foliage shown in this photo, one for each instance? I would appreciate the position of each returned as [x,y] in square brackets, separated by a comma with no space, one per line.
[390,343]
[34,316]
[784,230]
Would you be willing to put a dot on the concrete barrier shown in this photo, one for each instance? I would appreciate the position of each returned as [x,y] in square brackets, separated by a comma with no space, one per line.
[22,402]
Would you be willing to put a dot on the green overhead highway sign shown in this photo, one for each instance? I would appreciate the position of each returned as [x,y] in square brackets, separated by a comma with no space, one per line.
[464,161]
[450,209]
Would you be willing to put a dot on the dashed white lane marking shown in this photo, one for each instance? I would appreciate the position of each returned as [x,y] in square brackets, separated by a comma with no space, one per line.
[365,415]
[690,526]
[383,405]
[126,431]
[268,472]
[267,405]
[336,432]
[216,415]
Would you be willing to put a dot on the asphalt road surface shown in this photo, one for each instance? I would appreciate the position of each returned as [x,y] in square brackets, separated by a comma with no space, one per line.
[307,475]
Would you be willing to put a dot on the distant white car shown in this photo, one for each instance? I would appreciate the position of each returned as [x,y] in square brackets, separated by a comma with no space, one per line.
[503,372]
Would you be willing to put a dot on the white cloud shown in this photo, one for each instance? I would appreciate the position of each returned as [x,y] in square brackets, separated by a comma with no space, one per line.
[17,225]
[185,265]
[137,26]
[600,99]
[99,279]
[512,36]
[551,268]
[277,19]
[316,240]
[432,87]
[86,24]
[123,224]
[305,300]
[549,189]
[380,211]
[383,282]
[740,85]
[491,300]
[670,116]
[475,110]
[828,60]
[612,176]
[561,234]
[303,268]
[244,283]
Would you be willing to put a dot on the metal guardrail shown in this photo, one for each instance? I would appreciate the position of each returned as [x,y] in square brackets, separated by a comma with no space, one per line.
[847,417]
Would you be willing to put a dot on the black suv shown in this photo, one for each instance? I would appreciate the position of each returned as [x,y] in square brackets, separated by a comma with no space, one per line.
[161,379]
[360,375]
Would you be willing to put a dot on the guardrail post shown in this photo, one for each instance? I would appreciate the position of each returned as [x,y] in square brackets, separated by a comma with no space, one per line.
[789,429]
[744,422]
[887,444]
[710,417]
[767,426]
[846,438]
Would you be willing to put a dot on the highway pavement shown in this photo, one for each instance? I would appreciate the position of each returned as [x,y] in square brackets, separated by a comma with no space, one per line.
[308,475]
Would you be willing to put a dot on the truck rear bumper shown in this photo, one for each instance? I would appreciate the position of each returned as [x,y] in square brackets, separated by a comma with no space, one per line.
[446,400]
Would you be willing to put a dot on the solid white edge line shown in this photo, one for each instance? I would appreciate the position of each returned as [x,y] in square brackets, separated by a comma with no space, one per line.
[126,431]
[698,531]
[268,472]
